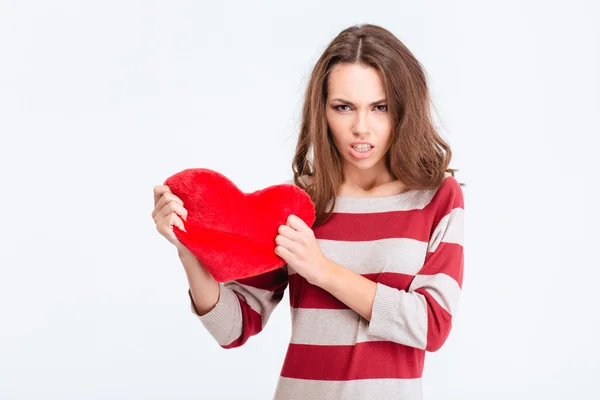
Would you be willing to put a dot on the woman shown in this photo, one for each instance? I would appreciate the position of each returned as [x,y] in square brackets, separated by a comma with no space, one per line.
[375,282]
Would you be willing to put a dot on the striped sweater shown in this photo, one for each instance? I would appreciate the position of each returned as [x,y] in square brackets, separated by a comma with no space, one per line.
[411,245]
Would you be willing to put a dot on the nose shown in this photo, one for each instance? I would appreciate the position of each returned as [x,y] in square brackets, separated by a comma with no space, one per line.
[361,126]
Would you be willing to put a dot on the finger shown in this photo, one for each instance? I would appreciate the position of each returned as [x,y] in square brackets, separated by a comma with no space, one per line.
[283,253]
[286,243]
[159,190]
[173,207]
[166,198]
[296,223]
[165,226]
[176,221]
[289,232]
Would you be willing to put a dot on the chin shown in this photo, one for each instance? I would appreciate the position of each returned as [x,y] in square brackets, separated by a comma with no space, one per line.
[363,164]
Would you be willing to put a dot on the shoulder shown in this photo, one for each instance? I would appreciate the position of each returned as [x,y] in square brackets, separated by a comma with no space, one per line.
[449,195]
[450,187]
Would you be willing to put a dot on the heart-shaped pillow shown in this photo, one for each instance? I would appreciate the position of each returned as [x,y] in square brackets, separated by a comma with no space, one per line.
[233,233]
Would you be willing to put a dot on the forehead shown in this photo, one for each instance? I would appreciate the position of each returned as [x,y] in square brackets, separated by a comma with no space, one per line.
[354,82]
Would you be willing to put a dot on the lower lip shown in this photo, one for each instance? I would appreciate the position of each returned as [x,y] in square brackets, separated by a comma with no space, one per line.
[361,154]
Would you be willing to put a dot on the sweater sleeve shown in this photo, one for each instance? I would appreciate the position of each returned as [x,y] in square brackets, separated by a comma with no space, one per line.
[421,316]
[244,307]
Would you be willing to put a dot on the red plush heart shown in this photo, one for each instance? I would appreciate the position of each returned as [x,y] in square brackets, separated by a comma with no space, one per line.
[231,232]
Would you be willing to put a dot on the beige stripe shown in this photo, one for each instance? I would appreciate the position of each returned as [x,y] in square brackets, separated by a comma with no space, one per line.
[450,229]
[360,389]
[406,325]
[324,327]
[442,287]
[399,316]
[224,321]
[401,255]
[259,300]
[411,200]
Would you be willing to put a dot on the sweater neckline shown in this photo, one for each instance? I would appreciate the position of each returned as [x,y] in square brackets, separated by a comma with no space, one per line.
[408,193]
[374,202]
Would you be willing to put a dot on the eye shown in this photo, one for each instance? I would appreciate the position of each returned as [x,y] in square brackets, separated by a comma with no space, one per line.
[337,107]
[383,105]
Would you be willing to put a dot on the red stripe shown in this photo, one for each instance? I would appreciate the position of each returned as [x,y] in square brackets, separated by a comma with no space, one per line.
[395,280]
[450,189]
[448,197]
[251,324]
[374,226]
[306,295]
[366,360]
[417,224]
[439,322]
[274,281]
[448,258]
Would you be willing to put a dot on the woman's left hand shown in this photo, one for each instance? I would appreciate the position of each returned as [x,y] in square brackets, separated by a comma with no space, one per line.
[297,245]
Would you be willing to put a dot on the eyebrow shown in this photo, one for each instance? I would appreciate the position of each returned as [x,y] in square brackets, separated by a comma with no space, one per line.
[348,102]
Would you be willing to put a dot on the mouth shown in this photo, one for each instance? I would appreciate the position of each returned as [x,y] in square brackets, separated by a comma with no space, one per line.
[361,143]
[361,146]
[361,150]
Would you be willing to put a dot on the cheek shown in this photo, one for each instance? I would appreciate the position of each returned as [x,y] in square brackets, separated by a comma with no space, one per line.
[336,125]
[385,128]
[387,138]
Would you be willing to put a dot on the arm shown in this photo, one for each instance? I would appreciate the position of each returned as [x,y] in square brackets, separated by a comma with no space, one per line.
[204,289]
[234,311]
[352,289]
[421,316]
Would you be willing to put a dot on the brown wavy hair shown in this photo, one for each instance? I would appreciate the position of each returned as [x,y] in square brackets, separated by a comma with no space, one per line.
[418,156]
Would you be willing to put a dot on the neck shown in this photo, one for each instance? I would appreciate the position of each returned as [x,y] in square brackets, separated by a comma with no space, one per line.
[357,180]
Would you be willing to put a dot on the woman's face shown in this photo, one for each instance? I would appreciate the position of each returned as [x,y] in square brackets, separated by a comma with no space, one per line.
[356,111]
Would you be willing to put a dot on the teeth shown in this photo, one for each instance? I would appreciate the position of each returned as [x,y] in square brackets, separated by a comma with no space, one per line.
[362,147]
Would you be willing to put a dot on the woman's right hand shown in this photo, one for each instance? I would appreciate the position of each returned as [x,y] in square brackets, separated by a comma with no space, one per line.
[168,211]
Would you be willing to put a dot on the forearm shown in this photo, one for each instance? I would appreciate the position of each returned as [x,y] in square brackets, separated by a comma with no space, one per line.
[204,288]
[352,289]
[414,318]
[233,311]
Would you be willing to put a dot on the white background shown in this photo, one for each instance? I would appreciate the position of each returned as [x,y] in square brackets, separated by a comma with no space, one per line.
[100,101]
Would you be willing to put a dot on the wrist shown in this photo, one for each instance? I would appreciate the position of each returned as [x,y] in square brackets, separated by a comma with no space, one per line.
[327,273]
[184,252]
